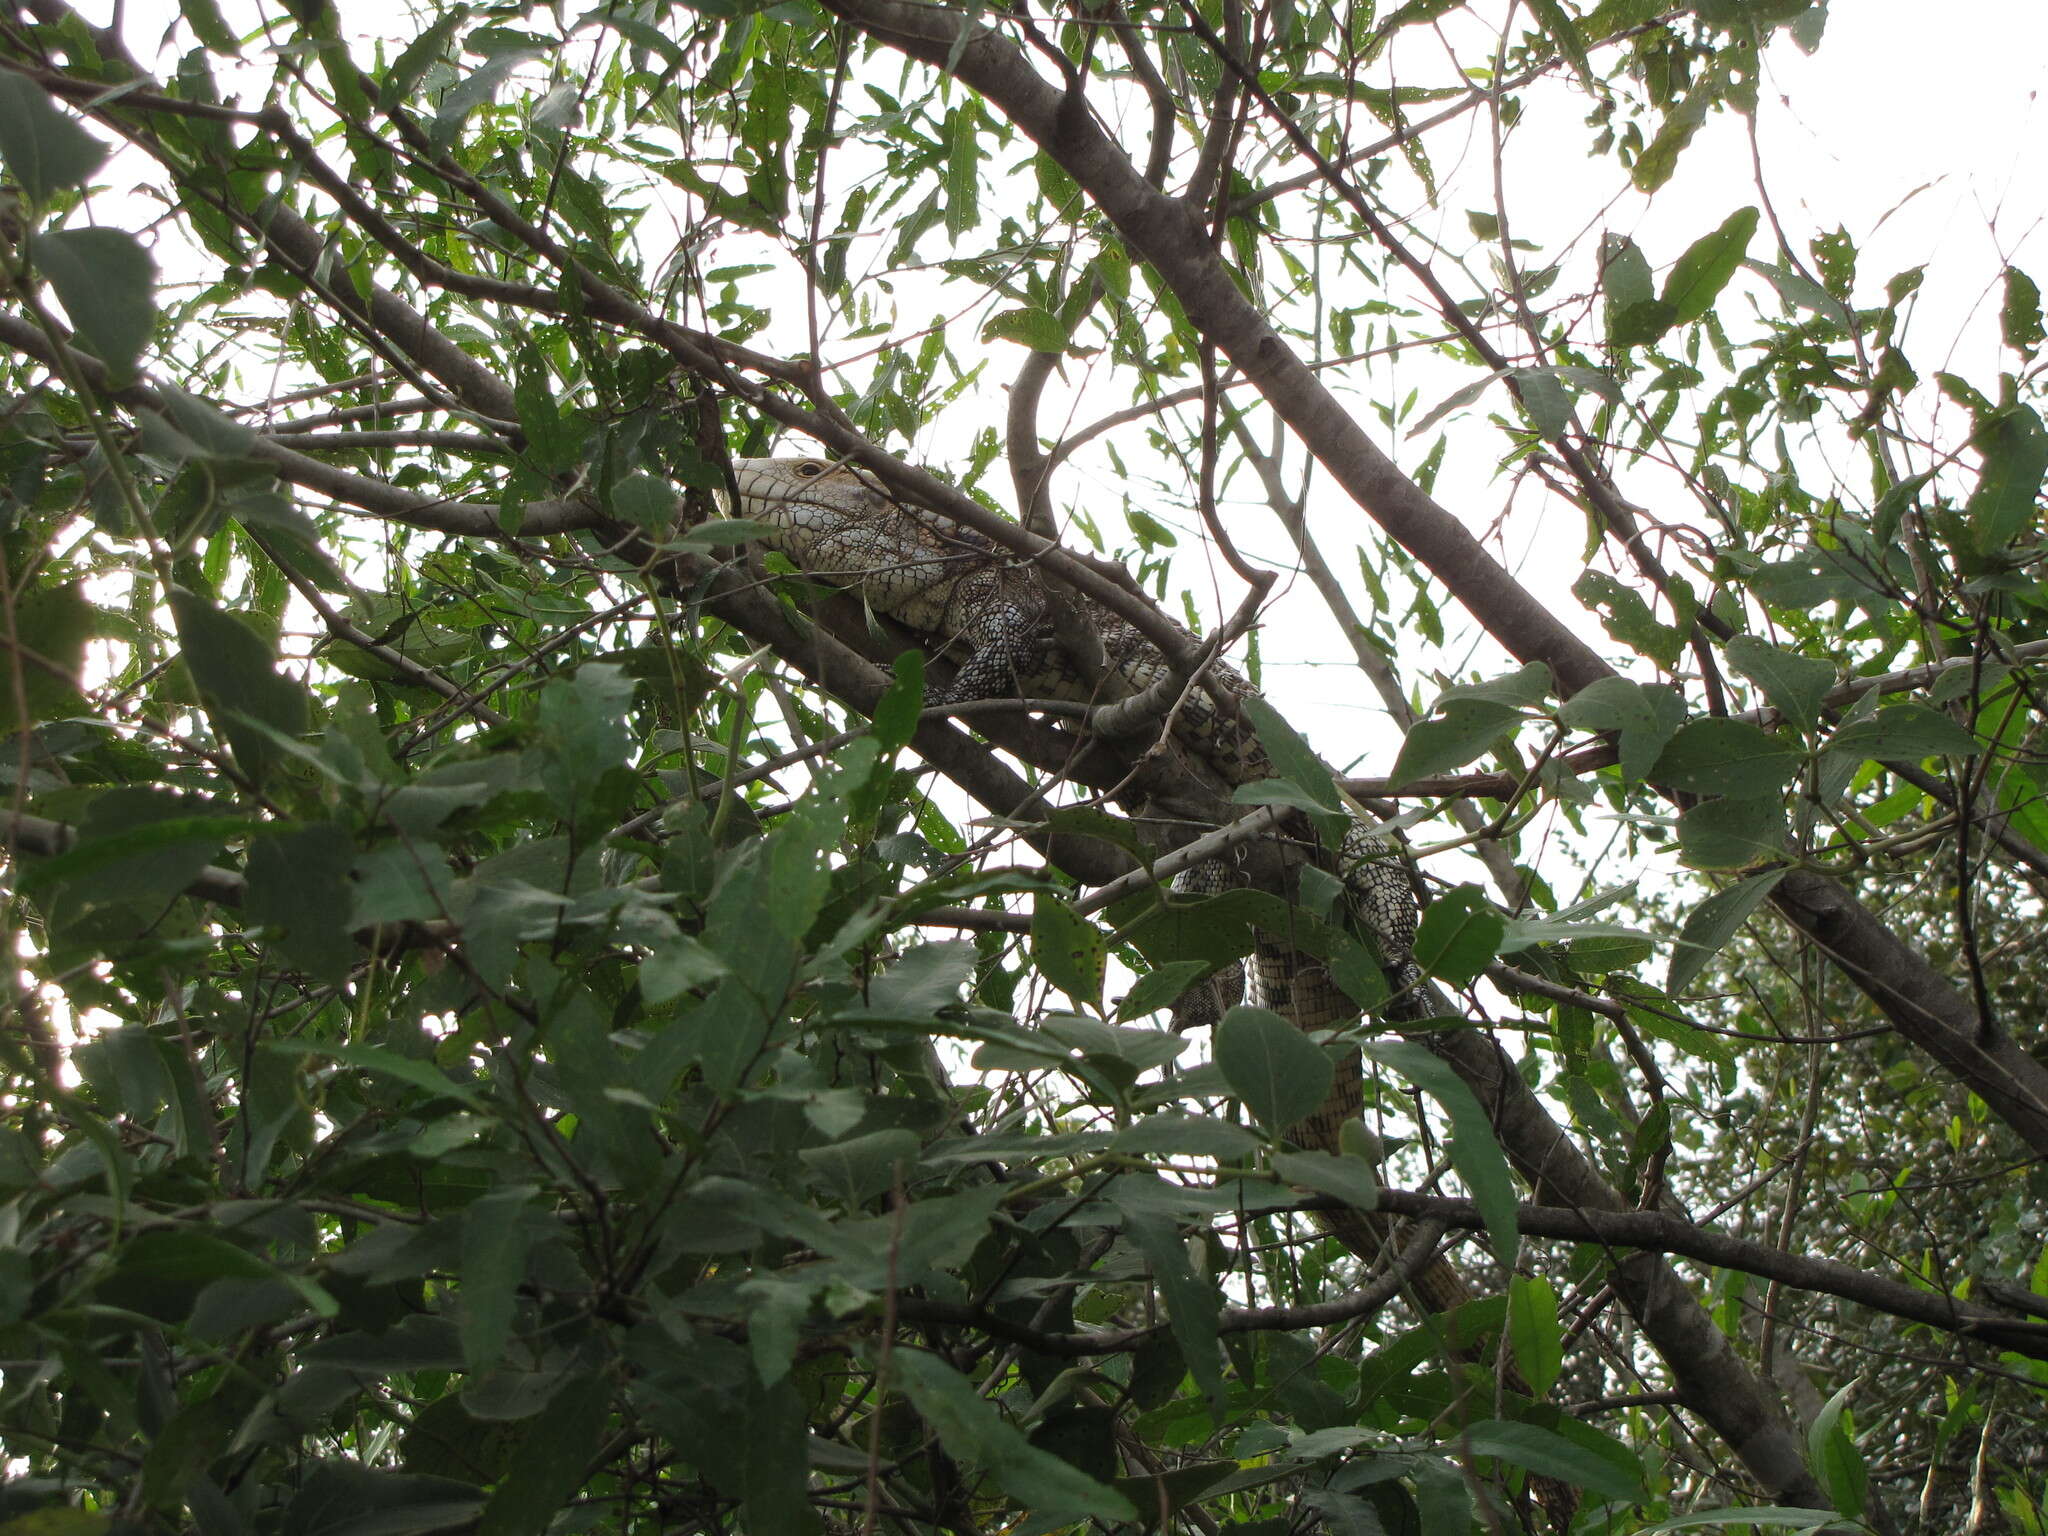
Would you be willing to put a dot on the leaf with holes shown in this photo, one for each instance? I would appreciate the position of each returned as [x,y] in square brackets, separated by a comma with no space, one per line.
[1071,951]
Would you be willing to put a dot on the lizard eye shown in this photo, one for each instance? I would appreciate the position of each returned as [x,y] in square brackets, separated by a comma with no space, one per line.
[808,469]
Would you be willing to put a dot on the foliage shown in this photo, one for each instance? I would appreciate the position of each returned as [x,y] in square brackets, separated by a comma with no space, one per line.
[523,1023]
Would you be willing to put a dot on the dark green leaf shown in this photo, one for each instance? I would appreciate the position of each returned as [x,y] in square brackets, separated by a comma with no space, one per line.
[495,1239]
[1634,317]
[1467,729]
[2020,315]
[970,1427]
[44,150]
[345,1498]
[1474,1151]
[1910,731]
[384,1062]
[107,283]
[552,1460]
[238,682]
[2014,446]
[1545,398]
[1712,923]
[1726,757]
[1732,833]
[897,711]
[1796,684]
[298,886]
[1192,1303]
[1546,1451]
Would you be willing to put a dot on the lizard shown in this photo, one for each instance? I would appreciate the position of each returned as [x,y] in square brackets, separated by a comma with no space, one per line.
[841,526]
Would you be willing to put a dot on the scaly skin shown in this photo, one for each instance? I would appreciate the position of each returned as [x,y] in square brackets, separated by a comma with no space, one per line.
[839,524]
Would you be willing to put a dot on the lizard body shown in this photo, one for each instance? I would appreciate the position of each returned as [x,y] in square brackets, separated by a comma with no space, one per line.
[840,525]
[966,593]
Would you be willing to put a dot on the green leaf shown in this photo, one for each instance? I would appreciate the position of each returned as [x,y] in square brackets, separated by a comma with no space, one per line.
[1456,400]
[51,626]
[2014,447]
[1070,950]
[1712,923]
[162,1273]
[1534,1333]
[107,283]
[1037,329]
[1645,716]
[1345,1177]
[382,1061]
[1295,761]
[1545,398]
[963,176]
[676,964]
[971,1428]
[2019,317]
[722,533]
[1634,317]
[1659,158]
[1626,617]
[1801,292]
[1281,1075]
[857,1169]
[1524,688]
[554,436]
[897,712]
[209,26]
[136,844]
[1475,1153]
[1467,729]
[1618,1477]
[1836,1461]
[1698,277]
[43,148]
[1459,936]
[1795,684]
[1789,1517]
[1910,731]
[1563,30]
[1159,987]
[650,504]
[1726,757]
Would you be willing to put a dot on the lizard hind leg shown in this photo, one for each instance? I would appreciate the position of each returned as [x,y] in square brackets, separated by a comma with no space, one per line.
[1007,659]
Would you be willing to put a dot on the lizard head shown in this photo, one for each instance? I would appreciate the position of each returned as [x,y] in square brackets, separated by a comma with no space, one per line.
[767,483]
